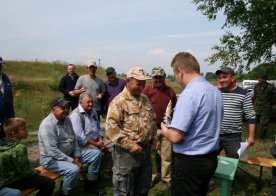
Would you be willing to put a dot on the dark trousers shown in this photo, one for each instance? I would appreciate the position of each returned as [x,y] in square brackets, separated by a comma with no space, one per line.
[231,143]
[45,185]
[273,181]
[191,174]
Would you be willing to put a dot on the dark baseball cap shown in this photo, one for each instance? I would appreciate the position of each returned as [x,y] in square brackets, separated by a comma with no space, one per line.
[225,70]
[263,76]
[2,61]
[109,70]
[58,102]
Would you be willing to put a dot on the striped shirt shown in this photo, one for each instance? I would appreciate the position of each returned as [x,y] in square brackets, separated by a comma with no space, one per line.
[236,103]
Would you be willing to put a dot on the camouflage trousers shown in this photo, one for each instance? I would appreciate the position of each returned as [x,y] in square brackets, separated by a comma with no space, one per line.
[131,173]
[262,120]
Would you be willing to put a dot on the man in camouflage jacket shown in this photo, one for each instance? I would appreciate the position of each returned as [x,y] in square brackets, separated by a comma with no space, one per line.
[131,125]
[263,97]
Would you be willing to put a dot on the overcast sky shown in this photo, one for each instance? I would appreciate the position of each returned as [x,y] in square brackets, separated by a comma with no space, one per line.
[121,33]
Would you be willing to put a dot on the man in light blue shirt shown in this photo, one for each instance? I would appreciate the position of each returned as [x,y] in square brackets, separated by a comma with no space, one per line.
[85,123]
[194,129]
[60,152]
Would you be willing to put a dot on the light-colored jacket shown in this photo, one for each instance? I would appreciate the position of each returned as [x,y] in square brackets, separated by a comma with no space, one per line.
[130,120]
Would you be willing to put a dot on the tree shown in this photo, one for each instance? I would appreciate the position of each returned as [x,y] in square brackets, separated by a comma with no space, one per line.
[257,21]
[210,76]
[266,68]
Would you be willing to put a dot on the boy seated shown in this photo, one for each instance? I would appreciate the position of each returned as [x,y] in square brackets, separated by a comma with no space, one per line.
[15,170]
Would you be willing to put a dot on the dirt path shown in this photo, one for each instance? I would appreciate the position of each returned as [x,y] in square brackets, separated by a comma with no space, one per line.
[33,152]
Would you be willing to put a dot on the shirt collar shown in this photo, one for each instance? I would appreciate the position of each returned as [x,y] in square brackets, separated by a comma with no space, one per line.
[54,118]
[81,110]
[194,81]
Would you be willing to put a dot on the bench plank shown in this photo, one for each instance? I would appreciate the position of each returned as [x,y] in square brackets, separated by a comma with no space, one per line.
[259,161]
[43,172]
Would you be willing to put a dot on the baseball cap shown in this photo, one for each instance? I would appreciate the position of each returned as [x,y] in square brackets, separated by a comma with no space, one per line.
[58,102]
[91,63]
[109,70]
[158,71]
[2,61]
[137,73]
[225,70]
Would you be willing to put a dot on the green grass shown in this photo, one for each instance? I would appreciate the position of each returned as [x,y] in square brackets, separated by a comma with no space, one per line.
[35,84]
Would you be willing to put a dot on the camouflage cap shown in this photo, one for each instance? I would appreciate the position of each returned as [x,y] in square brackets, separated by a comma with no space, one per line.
[91,63]
[137,73]
[158,71]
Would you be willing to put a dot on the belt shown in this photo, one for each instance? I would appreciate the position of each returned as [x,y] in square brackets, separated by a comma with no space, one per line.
[210,154]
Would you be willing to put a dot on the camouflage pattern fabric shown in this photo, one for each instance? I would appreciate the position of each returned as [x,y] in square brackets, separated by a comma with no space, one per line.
[14,163]
[130,120]
[263,105]
[263,97]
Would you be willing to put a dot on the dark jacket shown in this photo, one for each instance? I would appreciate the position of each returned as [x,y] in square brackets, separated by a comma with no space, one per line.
[67,84]
[6,103]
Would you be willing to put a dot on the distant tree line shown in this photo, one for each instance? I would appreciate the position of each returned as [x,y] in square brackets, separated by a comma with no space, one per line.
[266,68]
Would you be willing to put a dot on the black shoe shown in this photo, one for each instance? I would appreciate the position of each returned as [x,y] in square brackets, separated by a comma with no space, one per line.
[61,193]
[91,186]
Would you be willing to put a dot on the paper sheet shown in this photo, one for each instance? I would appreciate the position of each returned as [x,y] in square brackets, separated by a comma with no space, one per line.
[242,150]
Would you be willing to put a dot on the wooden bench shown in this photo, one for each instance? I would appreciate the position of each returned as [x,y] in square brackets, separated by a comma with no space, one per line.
[43,172]
[258,161]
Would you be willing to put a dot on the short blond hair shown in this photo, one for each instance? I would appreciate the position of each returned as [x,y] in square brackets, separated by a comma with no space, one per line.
[185,61]
[12,125]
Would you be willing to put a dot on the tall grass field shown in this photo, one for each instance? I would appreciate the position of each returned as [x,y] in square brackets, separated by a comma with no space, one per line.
[35,84]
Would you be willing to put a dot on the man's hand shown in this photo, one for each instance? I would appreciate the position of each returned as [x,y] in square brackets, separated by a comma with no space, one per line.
[135,149]
[37,171]
[77,162]
[250,141]
[79,91]
[156,144]
[99,144]
[99,96]
[72,93]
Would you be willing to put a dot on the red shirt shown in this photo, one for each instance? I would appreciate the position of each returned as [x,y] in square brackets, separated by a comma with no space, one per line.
[159,98]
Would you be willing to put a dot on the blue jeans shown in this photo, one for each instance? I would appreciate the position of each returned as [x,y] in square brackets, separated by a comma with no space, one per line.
[10,192]
[89,155]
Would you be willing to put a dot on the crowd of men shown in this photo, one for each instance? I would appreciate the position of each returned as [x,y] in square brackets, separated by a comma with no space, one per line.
[205,120]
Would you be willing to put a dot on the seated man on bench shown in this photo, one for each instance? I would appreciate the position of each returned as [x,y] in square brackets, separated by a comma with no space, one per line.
[60,152]
[15,170]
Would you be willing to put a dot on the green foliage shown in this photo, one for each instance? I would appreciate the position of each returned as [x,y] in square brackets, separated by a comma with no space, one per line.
[256,20]
[266,68]
[210,76]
